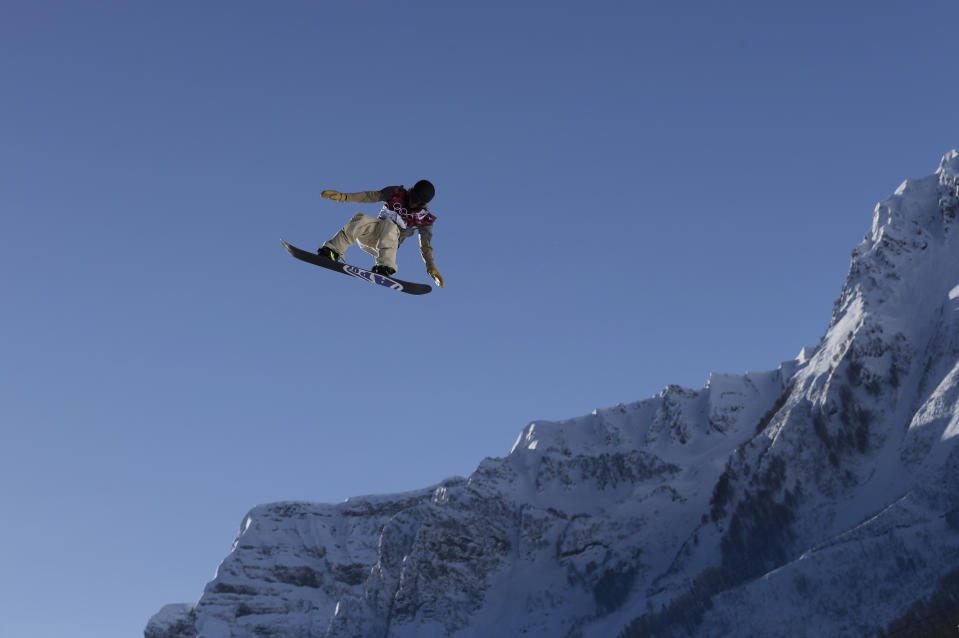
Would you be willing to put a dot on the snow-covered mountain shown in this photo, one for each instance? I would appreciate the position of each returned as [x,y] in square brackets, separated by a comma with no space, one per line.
[817,499]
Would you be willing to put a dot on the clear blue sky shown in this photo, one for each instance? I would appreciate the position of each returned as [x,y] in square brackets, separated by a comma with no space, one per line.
[630,195]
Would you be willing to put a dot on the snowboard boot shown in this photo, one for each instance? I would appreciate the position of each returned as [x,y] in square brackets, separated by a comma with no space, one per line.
[329,253]
[386,271]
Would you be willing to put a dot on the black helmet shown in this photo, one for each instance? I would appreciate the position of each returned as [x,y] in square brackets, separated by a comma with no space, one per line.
[422,192]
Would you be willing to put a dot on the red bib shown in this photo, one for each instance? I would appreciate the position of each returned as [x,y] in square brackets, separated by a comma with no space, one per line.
[398,205]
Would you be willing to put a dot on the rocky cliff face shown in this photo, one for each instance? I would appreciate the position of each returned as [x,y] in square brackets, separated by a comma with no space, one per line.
[820,498]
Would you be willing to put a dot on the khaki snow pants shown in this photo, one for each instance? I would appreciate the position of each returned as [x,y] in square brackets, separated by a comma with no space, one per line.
[378,237]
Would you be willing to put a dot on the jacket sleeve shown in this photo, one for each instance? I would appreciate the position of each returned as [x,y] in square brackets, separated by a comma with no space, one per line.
[371,197]
[426,244]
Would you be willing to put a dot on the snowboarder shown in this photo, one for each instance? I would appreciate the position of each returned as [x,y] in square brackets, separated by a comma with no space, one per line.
[403,212]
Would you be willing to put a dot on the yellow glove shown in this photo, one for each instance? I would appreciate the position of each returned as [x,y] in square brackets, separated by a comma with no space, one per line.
[435,274]
[334,195]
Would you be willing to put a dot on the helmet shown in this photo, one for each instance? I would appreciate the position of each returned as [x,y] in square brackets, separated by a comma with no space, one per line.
[422,191]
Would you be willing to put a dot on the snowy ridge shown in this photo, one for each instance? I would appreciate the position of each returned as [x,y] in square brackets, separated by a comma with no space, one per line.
[819,498]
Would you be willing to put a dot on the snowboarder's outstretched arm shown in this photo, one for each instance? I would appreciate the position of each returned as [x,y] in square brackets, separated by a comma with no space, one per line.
[362,197]
[426,250]
[426,244]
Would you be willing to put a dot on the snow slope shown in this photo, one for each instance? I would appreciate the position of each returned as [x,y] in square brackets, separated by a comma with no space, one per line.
[819,498]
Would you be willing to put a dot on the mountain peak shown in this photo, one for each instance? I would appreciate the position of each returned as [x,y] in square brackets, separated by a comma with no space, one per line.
[949,166]
[900,265]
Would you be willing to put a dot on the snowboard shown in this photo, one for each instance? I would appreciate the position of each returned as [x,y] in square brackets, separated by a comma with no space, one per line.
[409,287]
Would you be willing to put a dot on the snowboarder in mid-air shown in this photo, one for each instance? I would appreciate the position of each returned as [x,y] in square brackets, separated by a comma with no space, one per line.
[403,213]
